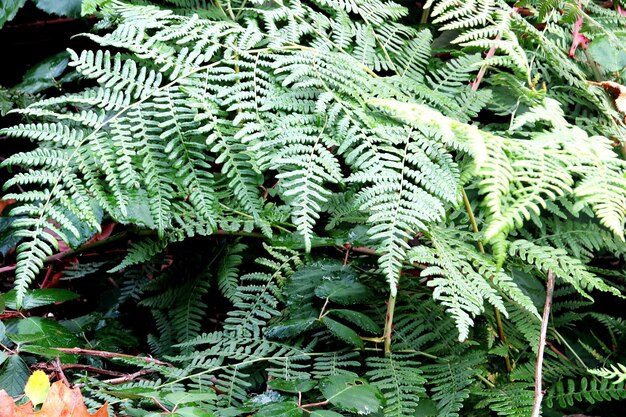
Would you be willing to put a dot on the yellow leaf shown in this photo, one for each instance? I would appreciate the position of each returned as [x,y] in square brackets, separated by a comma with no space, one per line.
[37,387]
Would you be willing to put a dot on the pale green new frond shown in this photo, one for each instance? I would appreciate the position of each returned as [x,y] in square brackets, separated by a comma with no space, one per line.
[616,374]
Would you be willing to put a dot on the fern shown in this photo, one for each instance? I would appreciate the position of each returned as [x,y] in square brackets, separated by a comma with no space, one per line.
[399,378]
[307,161]
[568,392]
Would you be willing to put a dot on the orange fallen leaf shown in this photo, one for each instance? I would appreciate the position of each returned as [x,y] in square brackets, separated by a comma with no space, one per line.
[60,402]
[618,92]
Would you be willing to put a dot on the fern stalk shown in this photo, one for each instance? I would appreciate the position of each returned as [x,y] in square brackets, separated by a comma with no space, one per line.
[542,343]
[481,248]
[391,307]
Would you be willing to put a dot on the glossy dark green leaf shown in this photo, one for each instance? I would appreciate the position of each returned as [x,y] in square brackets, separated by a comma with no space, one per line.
[356,317]
[294,386]
[192,412]
[291,328]
[426,408]
[286,409]
[39,297]
[343,332]
[325,413]
[7,239]
[41,332]
[352,394]
[14,375]
[188,397]
[69,8]
[344,293]
[44,74]
[8,10]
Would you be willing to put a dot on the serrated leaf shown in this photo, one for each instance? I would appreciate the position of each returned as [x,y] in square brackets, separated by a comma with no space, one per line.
[280,410]
[8,10]
[344,293]
[357,318]
[192,412]
[14,375]
[187,397]
[69,8]
[294,386]
[290,328]
[39,297]
[352,394]
[41,332]
[44,74]
[325,413]
[610,55]
[343,332]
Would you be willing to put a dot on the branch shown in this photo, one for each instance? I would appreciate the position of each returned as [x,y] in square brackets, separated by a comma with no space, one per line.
[542,343]
[104,354]
[126,378]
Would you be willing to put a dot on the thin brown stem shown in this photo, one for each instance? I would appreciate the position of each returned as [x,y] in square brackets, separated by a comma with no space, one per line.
[105,354]
[391,306]
[58,369]
[542,344]
[128,377]
[481,248]
[483,69]
[314,404]
[79,367]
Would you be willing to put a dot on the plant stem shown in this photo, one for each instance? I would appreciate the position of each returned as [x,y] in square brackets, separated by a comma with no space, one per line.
[425,15]
[542,344]
[481,248]
[391,306]
[104,354]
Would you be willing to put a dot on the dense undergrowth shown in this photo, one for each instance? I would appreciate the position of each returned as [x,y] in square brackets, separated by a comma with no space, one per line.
[325,208]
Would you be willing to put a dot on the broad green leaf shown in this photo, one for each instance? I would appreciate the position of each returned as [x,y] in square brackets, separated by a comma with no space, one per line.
[44,74]
[357,318]
[8,240]
[352,394]
[286,409]
[426,408]
[8,10]
[325,413]
[187,397]
[3,357]
[344,293]
[192,412]
[14,375]
[609,53]
[343,332]
[41,332]
[69,8]
[294,386]
[39,297]
[291,328]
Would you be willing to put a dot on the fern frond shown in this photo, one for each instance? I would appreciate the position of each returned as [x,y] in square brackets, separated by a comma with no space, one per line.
[399,378]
